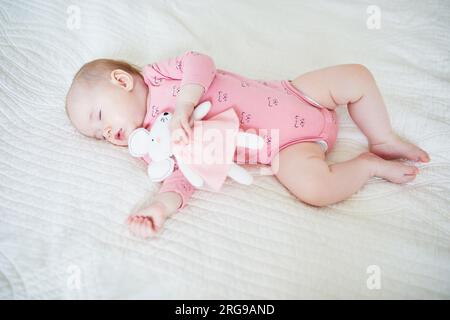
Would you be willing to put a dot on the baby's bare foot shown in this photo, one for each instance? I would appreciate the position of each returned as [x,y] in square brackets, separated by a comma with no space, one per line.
[395,148]
[391,170]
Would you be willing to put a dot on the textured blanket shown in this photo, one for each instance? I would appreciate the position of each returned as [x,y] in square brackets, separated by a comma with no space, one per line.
[64,198]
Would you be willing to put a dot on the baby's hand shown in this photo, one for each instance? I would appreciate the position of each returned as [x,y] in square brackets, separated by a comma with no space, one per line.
[181,124]
[149,221]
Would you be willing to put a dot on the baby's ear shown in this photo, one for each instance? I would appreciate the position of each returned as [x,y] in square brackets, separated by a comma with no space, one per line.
[123,79]
[138,142]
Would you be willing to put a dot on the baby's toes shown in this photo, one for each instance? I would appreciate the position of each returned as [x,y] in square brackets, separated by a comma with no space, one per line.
[423,156]
[410,170]
[414,153]
[409,173]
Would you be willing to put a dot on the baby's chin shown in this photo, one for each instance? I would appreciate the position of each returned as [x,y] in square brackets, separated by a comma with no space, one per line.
[120,143]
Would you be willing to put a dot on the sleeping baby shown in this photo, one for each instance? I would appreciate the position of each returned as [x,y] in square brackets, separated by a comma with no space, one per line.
[109,99]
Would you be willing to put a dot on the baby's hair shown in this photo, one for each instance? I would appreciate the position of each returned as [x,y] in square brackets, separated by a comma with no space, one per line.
[99,70]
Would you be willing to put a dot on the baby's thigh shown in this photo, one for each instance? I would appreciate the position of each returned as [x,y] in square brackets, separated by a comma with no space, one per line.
[333,86]
[302,169]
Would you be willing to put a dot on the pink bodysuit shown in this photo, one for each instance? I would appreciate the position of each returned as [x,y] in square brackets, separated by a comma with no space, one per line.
[276,110]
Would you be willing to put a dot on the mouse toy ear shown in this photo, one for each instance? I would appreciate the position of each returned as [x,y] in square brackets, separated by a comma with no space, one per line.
[138,142]
[201,111]
[160,170]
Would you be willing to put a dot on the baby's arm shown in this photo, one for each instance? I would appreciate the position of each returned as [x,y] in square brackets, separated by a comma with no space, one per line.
[196,72]
[172,197]
[187,99]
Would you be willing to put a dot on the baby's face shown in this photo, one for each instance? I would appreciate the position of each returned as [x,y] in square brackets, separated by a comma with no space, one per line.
[109,111]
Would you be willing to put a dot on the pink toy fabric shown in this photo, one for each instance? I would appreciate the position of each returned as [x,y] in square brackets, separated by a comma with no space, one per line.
[276,110]
[210,151]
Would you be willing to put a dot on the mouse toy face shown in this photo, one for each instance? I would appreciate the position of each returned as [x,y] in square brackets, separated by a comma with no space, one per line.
[156,144]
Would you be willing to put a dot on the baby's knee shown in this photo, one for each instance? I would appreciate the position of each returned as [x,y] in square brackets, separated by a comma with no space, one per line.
[361,71]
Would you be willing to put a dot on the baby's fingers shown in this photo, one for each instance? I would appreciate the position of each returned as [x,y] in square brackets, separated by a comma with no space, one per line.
[134,227]
[131,220]
[158,222]
[188,130]
[145,228]
[177,133]
[139,228]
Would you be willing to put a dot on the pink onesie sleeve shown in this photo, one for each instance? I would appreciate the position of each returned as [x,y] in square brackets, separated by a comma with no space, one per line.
[191,68]
[178,183]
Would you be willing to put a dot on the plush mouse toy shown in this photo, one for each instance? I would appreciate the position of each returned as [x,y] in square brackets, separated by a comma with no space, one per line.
[207,159]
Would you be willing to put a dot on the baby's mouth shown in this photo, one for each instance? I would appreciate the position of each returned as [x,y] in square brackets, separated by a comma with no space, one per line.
[119,135]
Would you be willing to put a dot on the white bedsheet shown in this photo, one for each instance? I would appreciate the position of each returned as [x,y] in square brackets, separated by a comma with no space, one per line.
[64,198]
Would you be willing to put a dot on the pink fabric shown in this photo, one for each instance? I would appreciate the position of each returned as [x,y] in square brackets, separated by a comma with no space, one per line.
[211,148]
[178,183]
[276,110]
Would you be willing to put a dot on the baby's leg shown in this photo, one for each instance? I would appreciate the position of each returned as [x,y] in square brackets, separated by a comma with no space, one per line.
[303,170]
[353,85]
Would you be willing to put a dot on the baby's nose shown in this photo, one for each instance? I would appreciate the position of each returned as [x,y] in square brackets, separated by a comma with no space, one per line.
[158,139]
[107,132]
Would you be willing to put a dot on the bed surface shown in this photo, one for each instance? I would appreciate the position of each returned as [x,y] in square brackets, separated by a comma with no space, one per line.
[64,198]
